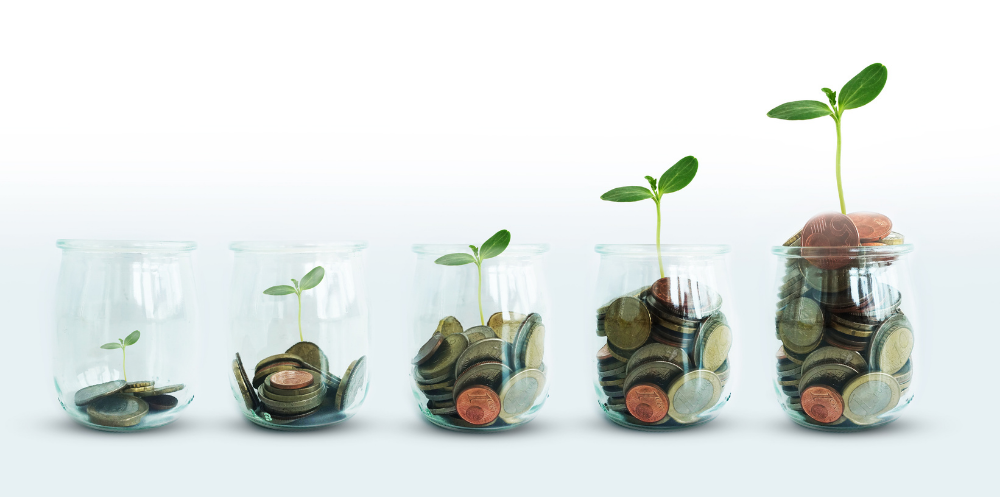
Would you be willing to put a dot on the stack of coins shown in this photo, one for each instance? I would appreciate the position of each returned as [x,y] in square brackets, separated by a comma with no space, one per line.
[485,376]
[123,404]
[665,362]
[845,354]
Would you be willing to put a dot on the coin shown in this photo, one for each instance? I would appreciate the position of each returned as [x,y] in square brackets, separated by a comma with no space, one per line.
[447,410]
[428,349]
[485,350]
[477,333]
[836,355]
[892,344]
[138,391]
[296,395]
[420,379]
[831,229]
[868,396]
[604,353]
[647,402]
[440,395]
[290,407]
[160,403]
[825,280]
[353,383]
[244,387]
[158,391]
[893,238]
[447,384]
[530,328]
[871,226]
[117,410]
[714,340]
[266,371]
[660,373]
[291,379]
[627,323]
[822,403]
[793,241]
[618,371]
[506,327]
[685,297]
[519,392]
[488,373]
[310,353]
[801,324]
[693,393]
[659,352]
[830,374]
[449,326]
[144,383]
[442,363]
[478,405]
[794,404]
[283,357]
[92,393]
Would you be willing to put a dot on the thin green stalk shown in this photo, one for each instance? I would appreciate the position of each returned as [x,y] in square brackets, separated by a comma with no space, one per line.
[659,257]
[479,265]
[299,295]
[840,186]
[124,375]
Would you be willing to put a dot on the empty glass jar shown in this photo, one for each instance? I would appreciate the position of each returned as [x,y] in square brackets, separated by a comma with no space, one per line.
[299,332]
[664,334]
[480,362]
[126,339]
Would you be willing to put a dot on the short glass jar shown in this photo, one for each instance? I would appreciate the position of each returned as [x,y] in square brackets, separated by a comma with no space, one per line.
[126,338]
[480,364]
[664,334]
[844,345]
[299,331]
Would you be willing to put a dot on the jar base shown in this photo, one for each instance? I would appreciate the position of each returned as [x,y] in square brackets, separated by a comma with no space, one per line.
[325,417]
[844,427]
[458,425]
[669,426]
[150,421]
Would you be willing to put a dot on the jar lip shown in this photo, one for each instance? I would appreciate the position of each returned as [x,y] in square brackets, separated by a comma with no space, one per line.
[519,250]
[672,249]
[887,250]
[298,246]
[126,246]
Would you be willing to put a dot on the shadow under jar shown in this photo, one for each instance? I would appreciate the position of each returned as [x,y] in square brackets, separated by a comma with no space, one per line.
[126,339]
[663,343]
[844,343]
[480,368]
[299,331]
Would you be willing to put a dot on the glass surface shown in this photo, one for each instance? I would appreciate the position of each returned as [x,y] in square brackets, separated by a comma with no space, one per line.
[107,290]
[299,357]
[475,371]
[845,348]
[663,344]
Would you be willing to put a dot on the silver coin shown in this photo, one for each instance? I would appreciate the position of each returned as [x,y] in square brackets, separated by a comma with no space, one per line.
[480,332]
[89,394]
[692,394]
[519,394]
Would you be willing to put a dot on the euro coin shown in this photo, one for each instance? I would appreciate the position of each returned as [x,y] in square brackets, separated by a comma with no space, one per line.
[801,324]
[868,396]
[310,353]
[519,393]
[442,363]
[449,326]
[693,393]
[117,410]
[659,352]
[892,344]
[352,384]
[829,354]
[830,374]
[160,403]
[428,349]
[250,402]
[822,403]
[647,402]
[713,344]
[89,394]
[627,323]
[488,373]
[477,333]
[493,349]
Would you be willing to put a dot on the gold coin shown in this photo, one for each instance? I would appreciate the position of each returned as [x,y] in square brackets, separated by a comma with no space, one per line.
[714,341]
[535,347]
[449,326]
[831,354]
[627,323]
[240,382]
[801,324]
[846,330]
[278,358]
[442,363]
[793,241]
[894,238]
[893,344]
[136,391]
[143,383]
[506,328]
[868,396]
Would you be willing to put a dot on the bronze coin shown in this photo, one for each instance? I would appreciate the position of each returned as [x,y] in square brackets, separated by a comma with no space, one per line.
[831,229]
[478,405]
[161,402]
[871,226]
[604,353]
[427,350]
[823,403]
[291,379]
[647,403]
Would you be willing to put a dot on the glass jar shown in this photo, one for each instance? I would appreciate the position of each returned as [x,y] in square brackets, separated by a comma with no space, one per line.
[126,339]
[844,344]
[664,334]
[480,366]
[299,331]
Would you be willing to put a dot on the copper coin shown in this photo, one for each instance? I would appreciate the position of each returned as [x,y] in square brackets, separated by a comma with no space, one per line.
[604,353]
[822,403]
[428,349]
[686,297]
[831,229]
[161,402]
[647,403]
[871,226]
[291,379]
[478,405]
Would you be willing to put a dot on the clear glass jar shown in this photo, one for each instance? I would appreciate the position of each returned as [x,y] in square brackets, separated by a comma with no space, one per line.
[126,339]
[844,344]
[300,347]
[663,343]
[480,369]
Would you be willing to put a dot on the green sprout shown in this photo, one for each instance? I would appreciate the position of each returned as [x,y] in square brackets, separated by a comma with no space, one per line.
[493,247]
[674,179]
[122,344]
[861,90]
[310,280]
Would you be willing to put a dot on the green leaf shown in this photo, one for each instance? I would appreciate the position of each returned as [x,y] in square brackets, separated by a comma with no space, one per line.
[279,290]
[455,259]
[295,282]
[627,194]
[475,249]
[312,278]
[652,182]
[800,110]
[132,338]
[111,345]
[679,175]
[831,95]
[495,245]
[863,88]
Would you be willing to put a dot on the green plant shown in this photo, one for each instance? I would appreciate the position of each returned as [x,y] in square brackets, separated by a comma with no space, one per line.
[310,280]
[861,90]
[674,179]
[493,247]
[122,344]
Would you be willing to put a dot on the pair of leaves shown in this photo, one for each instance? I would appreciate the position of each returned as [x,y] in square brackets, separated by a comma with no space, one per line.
[861,90]
[310,280]
[492,248]
[674,179]
[122,344]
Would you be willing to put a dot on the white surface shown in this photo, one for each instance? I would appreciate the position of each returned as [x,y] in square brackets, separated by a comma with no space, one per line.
[445,121]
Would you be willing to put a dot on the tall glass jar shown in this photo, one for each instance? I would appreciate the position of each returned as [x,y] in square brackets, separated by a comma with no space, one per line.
[845,346]
[299,332]
[480,366]
[664,334]
[126,339]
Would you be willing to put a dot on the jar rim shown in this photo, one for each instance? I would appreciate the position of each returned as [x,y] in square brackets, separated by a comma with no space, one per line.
[887,250]
[126,246]
[521,249]
[298,246]
[671,249]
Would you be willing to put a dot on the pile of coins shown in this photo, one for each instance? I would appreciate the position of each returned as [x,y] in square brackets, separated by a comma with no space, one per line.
[488,375]
[665,362]
[845,354]
[123,404]
[297,383]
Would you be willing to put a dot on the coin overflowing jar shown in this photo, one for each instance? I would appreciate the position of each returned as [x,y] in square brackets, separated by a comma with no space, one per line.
[124,404]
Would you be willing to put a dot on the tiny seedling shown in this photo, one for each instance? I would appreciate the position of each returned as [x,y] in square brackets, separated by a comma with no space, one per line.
[493,247]
[122,344]
[861,90]
[310,280]
[674,179]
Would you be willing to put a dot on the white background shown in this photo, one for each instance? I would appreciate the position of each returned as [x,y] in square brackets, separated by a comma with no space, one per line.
[408,122]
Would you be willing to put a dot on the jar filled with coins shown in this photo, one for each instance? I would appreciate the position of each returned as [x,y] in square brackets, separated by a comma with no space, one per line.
[664,334]
[126,337]
[478,338]
[298,332]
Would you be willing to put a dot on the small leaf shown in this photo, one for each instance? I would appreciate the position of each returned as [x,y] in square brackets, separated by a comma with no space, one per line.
[800,110]
[627,194]
[495,245]
[279,290]
[295,282]
[132,338]
[312,278]
[455,259]
[111,345]
[831,95]
[475,249]
[120,341]
[863,88]
[652,182]
[679,175]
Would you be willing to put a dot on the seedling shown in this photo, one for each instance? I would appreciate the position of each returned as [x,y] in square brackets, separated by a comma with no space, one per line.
[493,247]
[861,90]
[122,344]
[674,179]
[310,280]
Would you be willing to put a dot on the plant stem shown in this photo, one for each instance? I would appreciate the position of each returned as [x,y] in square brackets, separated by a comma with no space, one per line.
[479,265]
[840,186]
[659,257]
[124,375]
[299,295]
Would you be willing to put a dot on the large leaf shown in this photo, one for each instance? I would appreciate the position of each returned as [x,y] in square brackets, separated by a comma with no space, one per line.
[279,290]
[863,88]
[679,175]
[495,245]
[132,338]
[800,110]
[628,193]
[111,345]
[312,278]
[455,259]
